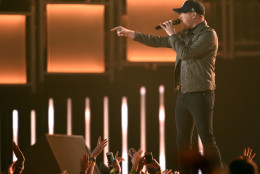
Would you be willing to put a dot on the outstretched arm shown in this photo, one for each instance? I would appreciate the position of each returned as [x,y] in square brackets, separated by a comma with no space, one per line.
[98,149]
[121,31]
[146,39]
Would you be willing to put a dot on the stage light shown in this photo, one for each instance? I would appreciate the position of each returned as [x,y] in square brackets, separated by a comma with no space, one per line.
[87,123]
[33,127]
[162,128]
[75,38]
[51,116]
[69,117]
[13,49]
[201,149]
[15,130]
[124,123]
[143,118]
[106,127]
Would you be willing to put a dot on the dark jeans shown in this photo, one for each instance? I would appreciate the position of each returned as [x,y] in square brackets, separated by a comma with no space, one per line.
[196,108]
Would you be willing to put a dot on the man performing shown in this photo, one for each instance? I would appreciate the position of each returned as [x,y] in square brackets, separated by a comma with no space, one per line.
[196,47]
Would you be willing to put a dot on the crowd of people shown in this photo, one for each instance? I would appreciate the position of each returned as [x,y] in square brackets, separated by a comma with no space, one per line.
[243,164]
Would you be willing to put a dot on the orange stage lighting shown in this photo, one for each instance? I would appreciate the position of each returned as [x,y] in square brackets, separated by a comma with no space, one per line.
[13,49]
[75,34]
[143,16]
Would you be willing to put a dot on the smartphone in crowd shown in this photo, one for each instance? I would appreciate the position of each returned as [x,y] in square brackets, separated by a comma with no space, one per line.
[110,158]
[148,157]
[131,152]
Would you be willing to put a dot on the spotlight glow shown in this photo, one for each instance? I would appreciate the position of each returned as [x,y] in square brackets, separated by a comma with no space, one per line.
[106,127]
[69,117]
[51,116]
[124,123]
[87,123]
[33,127]
[143,118]
[15,130]
[201,150]
[200,145]
[162,128]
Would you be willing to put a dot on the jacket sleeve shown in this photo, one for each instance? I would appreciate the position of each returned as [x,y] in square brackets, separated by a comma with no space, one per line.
[152,41]
[204,43]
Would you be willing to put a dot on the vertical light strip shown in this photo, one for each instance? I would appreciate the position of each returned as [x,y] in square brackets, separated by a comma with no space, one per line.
[15,130]
[200,145]
[33,127]
[201,150]
[51,116]
[0,141]
[162,130]
[124,123]
[143,118]
[69,117]
[106,127]
[87,123]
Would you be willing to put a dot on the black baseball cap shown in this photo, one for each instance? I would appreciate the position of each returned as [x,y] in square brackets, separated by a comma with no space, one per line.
[191,6]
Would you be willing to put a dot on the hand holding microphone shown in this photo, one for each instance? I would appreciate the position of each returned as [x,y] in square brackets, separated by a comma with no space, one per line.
[175,22]
[167,26]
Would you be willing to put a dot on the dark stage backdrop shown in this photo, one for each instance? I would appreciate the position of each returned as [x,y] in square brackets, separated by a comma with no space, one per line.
[236,118]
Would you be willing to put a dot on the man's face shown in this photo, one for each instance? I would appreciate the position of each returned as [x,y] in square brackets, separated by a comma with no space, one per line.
[186,19]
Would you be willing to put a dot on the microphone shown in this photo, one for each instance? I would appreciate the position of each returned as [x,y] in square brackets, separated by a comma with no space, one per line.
[175,22]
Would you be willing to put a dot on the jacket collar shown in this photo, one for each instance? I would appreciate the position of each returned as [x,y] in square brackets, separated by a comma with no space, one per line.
[198,27]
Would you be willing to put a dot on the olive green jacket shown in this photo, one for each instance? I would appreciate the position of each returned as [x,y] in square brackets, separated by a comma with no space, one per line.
[196,55]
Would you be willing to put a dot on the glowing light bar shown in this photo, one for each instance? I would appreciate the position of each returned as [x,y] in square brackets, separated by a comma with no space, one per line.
[15,130]
[75,38]
[124,123]
[13,49]
[106,127]
[87,123]
[51,116]
[69,117]
[201,150]
[162,128]
[143,118]
[33,127]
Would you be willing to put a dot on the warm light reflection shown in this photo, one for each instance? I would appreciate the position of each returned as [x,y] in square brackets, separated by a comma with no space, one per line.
[75,38]
[162,128]
[200,145]
[15,130]
[69,117]
[87,123]
[140,11]
[106,127]
[124,124]
[33,127]
[13,49]
[143,118]
[51,116]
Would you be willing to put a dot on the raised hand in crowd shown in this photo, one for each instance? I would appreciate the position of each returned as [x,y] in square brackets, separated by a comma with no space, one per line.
[135,159]
[141,165]
[116,164]
[64,172]
[167,171]
[98,149]
[247,154]
[17,166]
[84,164]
